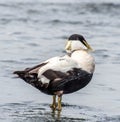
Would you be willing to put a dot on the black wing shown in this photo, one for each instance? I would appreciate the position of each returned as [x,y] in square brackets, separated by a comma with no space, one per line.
[76,80]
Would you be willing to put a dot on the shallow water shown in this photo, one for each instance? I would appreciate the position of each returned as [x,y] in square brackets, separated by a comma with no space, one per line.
[33,31]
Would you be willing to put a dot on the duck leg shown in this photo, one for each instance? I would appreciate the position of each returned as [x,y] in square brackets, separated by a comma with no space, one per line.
[59,107]
[54,104]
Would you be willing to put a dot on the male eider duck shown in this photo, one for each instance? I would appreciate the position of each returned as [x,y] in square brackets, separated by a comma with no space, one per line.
[63,74]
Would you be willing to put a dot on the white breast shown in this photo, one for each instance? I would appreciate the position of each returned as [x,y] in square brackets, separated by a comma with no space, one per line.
[84,60]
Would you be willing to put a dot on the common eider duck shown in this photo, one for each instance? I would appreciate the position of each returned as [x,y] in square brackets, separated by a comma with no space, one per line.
[63,74]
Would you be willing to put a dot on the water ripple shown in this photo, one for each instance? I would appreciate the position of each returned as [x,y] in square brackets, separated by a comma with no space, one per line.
[39,112]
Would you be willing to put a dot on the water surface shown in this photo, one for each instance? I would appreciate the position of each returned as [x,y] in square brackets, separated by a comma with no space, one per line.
[33,31]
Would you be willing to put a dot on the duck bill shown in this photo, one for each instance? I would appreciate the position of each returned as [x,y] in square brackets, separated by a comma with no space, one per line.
[87,45]
[68,46]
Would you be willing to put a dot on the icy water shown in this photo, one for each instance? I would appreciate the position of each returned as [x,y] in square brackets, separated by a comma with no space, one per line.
[32,31]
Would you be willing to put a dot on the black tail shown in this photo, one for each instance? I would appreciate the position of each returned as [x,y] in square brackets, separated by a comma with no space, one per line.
[26,76]
[30,78]
[21,74]
[29,74]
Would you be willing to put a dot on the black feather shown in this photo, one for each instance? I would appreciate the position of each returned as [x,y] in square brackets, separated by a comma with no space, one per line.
[72,83]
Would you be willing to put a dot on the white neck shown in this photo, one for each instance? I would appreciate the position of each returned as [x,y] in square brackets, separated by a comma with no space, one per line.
[84,60]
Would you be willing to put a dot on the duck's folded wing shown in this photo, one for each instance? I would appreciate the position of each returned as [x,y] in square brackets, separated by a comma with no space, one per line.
[76,79]
[56,68]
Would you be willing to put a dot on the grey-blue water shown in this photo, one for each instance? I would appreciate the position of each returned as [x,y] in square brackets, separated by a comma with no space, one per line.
[32,31]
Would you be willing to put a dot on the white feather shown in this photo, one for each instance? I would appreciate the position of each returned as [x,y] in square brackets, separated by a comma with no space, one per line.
[84,60]
[43,79]
[62,64]
[79,59]
[76,45]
